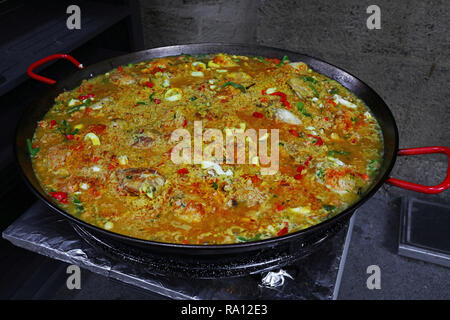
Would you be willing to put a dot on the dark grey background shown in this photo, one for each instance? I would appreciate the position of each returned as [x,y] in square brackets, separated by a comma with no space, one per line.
[407,62]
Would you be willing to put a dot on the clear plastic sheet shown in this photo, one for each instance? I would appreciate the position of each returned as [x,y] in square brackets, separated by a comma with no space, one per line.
[313,277]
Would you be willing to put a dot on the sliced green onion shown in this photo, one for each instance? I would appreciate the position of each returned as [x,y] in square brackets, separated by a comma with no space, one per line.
[301,108]
[78,204]
[332,153]
[314,90]
[235,85]
[283,60]
[32,151]
[244,239]
[310,79]
[76,108]
[328,207]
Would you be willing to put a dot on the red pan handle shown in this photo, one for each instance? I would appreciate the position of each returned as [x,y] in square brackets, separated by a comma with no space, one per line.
[47,59]
[419,187]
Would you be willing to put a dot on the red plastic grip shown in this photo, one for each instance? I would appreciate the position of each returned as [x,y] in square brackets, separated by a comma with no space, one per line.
[47,59]
[444,185]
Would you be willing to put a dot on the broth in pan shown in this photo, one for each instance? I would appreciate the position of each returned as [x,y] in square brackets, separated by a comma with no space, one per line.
[105,150]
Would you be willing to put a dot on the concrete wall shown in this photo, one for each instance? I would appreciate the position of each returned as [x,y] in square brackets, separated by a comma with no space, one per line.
[407,62]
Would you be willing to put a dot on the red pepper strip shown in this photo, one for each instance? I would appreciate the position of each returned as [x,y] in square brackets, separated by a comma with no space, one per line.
[89,96]
[185,122]
[183,171]
[319,141]
[280,207]
[157,101]
[87,110]
[282,95]
[258,115]
[276,61]
[52,124]
[365,177]
[120,68]
[157,69]
[331,102]
[149,84]
[283,231]
[97,128]
[299,176]
[60,196]
[70,136]
[293,132]
[255,179]
[286,104]
[283,98]
[308,160]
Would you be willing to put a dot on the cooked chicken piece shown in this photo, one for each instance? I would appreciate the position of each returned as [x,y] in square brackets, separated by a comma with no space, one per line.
[239,77]
[122,79]
[143,142]
[136,181]
[147,139]
[340,181]
[299,66]
[250,195]
[286,116]
[57,156]
[301,87]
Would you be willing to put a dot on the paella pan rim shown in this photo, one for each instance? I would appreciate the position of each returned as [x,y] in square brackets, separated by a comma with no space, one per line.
[376,104]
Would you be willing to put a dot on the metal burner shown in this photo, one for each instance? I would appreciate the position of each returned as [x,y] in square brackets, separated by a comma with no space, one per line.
[315,276]
[195,267]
